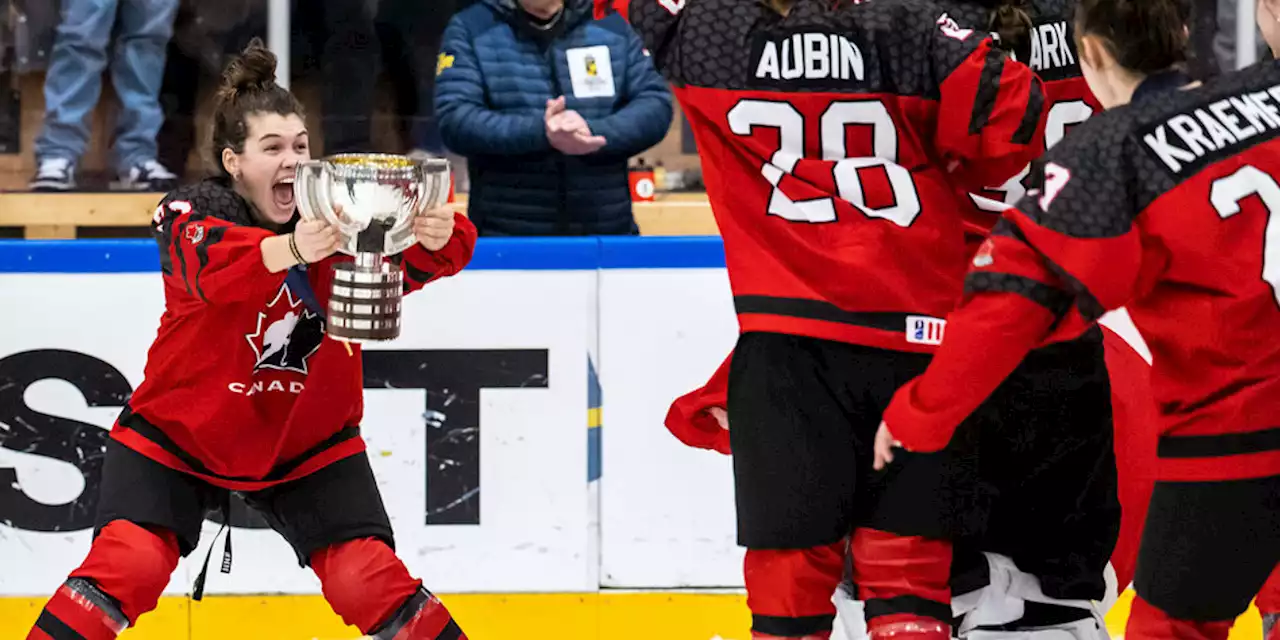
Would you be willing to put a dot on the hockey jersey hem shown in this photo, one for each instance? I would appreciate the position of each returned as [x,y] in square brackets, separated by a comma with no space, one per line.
[888,330]
[140,435]
[1220,457]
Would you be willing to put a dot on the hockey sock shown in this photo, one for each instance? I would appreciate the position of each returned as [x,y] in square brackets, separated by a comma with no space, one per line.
[789,591]
[79,611]
[122,578]
[370,588]
[905,583]
[1271,626]
[1148,622]
[422,617]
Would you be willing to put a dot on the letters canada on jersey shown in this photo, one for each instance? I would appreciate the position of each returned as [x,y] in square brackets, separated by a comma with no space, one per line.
[241,386]
[837,142]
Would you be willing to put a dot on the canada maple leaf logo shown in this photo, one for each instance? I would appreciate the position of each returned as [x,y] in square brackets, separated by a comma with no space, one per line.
[286,335]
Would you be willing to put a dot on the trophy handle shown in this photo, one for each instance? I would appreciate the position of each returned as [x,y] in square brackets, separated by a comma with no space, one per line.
[306,191]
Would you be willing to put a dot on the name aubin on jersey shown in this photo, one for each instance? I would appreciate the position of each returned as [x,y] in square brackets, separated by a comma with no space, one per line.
[1197,137]
[800,58]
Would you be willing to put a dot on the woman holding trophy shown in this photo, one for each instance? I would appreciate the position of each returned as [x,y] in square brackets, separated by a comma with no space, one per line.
[243,389]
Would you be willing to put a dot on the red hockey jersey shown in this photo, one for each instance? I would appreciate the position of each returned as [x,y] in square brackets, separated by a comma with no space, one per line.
[1164,206]
[832,140]
[1050,51]
[242,388]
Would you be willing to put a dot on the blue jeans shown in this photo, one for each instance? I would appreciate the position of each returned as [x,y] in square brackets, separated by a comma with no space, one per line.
[74,79]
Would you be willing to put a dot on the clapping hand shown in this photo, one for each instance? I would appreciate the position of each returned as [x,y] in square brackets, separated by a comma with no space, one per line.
[568,132]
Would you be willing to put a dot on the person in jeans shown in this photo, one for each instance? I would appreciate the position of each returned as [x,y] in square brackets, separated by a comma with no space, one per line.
[82,50]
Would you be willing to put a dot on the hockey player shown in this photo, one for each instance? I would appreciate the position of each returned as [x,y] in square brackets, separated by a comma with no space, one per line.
[243,392]
[833,135]
[1163,205]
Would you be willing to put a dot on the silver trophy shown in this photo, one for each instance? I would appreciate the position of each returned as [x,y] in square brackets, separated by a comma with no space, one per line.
[380,195]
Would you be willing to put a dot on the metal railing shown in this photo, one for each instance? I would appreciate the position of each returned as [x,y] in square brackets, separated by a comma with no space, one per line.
[278,25]
[1246,33]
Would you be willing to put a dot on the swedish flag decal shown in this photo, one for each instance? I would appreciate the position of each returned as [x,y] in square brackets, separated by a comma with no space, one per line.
[593,422]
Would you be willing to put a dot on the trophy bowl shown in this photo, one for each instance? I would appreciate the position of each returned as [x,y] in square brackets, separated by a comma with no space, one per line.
[379,195]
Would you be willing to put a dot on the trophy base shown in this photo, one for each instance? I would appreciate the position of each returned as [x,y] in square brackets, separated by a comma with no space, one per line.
[364,302]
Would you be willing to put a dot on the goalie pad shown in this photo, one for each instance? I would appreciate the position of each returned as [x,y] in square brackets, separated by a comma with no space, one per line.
[1002,603]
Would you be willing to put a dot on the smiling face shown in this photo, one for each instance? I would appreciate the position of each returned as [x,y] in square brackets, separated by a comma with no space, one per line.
[264,172]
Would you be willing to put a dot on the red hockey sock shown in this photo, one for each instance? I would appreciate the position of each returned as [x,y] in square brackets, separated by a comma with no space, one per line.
[789,591]
[422,617]
[905,583]
[78,611]
[122,578]
[1269,597]
[363,581]
[1147,622]
[132,564]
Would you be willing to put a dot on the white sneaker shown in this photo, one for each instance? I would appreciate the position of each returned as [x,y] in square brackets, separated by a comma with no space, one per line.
[147,176]
[54,174]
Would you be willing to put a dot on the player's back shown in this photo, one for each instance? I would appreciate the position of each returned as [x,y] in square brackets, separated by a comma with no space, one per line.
[1199,265]
[825,154]
[1049,48]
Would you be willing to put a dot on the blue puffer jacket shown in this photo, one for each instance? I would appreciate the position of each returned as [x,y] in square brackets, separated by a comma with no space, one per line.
[494,80]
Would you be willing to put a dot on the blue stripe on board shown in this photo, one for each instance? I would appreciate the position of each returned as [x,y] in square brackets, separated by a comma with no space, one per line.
[593,454]
[662,252]
[525,254]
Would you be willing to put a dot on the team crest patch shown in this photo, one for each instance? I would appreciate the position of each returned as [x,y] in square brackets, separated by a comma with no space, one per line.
[287,334]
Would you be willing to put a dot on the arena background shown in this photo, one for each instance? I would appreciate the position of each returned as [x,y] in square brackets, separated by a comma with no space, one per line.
[516,429]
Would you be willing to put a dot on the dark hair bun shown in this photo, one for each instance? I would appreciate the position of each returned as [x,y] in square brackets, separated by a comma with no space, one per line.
[253,70]
[1146,36]
[1011,20]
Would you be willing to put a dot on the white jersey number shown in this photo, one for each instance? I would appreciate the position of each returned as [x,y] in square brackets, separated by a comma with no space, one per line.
[1226,195]
[1062,116]
[747,115]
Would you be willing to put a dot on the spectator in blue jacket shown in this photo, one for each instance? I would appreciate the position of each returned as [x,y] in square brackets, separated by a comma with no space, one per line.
[548,105]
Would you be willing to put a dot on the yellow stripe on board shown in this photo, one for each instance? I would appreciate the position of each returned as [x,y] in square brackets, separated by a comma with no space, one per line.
[586,616]
[593,417]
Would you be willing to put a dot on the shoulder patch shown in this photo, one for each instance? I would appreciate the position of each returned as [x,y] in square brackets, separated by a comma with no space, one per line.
[443,62]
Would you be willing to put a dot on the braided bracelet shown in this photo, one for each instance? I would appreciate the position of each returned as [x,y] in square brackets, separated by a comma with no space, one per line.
[293,248]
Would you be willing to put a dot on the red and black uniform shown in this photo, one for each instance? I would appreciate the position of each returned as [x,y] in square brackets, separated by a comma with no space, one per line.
[244,392]
[832,142]
[1040,453]
[1164,206]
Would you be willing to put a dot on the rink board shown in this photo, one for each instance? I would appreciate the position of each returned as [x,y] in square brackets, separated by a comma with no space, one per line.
[585,616]
[560,358]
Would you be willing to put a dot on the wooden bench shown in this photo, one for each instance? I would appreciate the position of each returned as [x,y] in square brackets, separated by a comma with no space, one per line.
[62,216]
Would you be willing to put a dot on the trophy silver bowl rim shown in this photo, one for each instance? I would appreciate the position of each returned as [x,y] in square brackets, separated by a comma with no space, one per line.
[380,166]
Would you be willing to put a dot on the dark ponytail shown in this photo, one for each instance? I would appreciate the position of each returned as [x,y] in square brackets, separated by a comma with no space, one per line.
[1011,21]
[248,87]
[1145,36]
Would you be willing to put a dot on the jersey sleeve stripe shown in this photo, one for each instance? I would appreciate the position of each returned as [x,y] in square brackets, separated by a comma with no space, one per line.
[1055,300]
[416,274]
[202,254]
[984,103]
[1026,131]
[179,230]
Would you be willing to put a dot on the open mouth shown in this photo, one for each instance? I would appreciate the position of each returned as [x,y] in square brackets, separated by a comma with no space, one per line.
[282,193]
